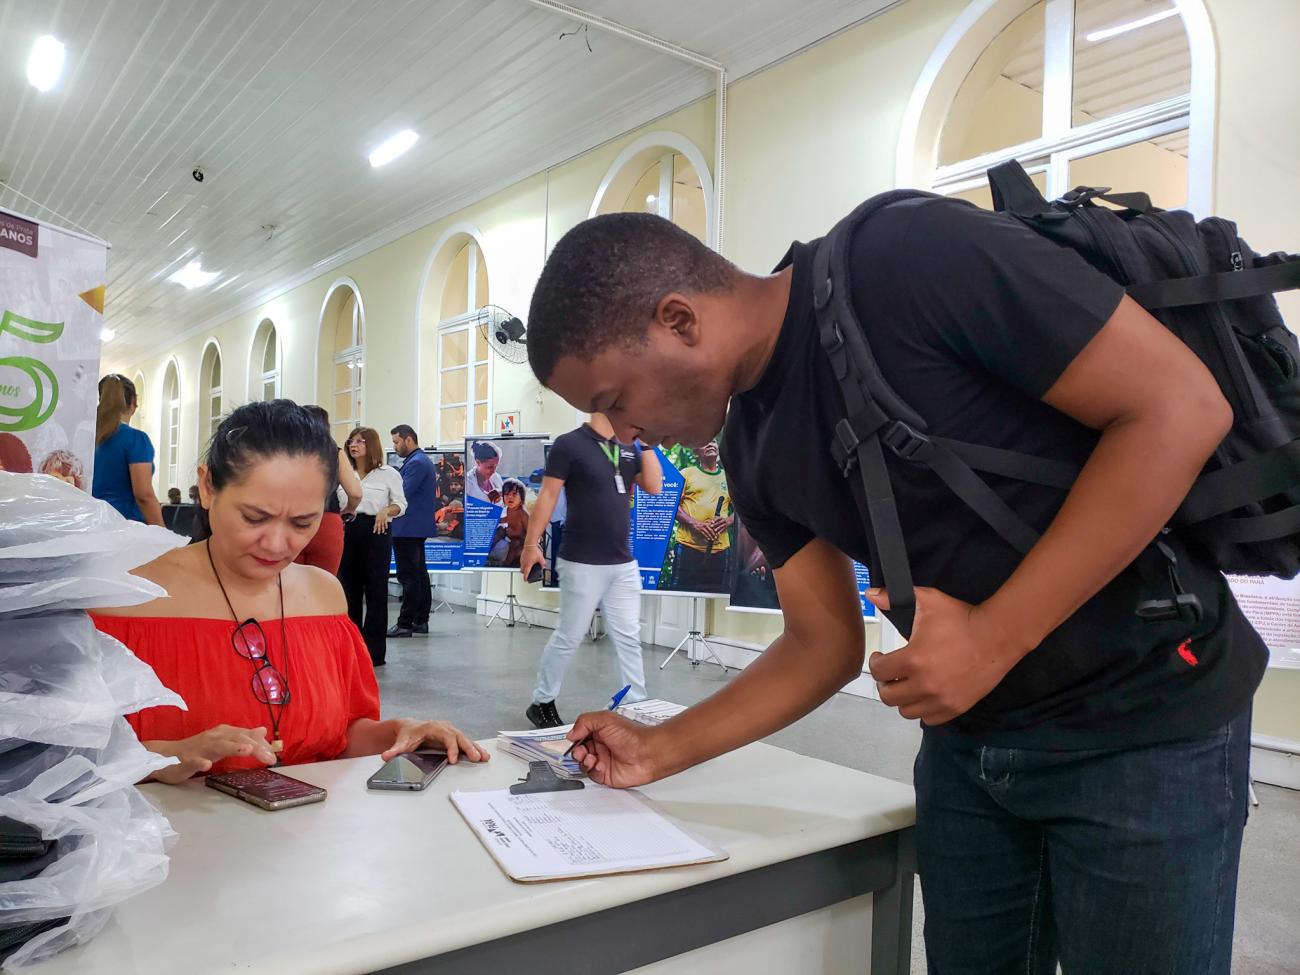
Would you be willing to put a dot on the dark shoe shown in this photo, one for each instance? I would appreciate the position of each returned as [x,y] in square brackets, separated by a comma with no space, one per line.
[421,628]
[544,715]
[377,663]
[397,630]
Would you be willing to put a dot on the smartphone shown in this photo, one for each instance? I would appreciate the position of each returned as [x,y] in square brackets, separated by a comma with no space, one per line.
[266,789]
[535,574]
[411,772]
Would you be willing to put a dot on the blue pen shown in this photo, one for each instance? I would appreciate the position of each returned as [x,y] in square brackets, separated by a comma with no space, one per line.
[613,703]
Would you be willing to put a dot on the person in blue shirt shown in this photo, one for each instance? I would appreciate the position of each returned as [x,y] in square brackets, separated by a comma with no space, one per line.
[420,483]
[123,454]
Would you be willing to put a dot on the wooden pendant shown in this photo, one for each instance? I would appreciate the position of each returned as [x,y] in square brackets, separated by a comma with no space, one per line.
[277,746]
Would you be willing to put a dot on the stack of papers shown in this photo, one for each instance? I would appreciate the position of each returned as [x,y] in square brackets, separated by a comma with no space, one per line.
[549,744]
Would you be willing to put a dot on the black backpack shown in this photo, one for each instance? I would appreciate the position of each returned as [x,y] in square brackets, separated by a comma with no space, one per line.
[1201,281]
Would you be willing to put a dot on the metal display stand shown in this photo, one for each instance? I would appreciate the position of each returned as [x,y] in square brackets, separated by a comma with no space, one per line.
[511,604]
[442,600]
[693,641]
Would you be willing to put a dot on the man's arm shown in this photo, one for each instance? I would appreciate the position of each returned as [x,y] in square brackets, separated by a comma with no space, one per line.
[651,478]
[1161,414]
[538,521]
[819,652]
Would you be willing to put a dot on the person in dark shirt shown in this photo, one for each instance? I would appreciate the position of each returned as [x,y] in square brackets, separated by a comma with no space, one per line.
[1077,765]
[420,485]
[597,474]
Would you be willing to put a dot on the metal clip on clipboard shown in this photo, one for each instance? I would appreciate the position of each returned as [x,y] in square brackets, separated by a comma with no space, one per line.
[542,778]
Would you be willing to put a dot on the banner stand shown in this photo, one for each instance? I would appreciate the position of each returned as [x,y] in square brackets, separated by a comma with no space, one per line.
[510,603]
[694,640]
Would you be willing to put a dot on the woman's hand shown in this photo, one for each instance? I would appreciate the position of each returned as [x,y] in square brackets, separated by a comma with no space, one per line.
[382,518]
[199,753]
[412,734]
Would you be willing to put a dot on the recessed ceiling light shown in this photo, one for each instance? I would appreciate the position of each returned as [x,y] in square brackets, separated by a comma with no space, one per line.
[45,63]
[1109,32]
[192,276]
[107,335]
[392,147]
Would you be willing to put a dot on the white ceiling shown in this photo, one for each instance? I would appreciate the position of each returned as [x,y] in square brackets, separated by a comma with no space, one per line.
[280,102]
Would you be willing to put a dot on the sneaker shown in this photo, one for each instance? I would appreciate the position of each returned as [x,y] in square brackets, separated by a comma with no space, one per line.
[421,628]
[544,715]
[397,630]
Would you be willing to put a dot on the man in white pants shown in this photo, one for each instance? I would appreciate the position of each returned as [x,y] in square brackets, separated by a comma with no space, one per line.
[596,567]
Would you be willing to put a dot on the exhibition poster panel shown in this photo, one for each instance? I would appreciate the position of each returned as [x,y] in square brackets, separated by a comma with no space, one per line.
[502,478]
[1273,608]
[683,537]
[51,313]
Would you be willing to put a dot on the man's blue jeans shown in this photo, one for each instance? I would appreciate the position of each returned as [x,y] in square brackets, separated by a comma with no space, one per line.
[1115,862]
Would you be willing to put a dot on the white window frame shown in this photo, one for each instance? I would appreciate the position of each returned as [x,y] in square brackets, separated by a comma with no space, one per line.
[468,322]
[171,425]
[137,418]
[266,333]
[354,358]
[1061,142]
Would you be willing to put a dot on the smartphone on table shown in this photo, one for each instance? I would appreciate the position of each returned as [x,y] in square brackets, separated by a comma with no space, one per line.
[411,772]
[266,789]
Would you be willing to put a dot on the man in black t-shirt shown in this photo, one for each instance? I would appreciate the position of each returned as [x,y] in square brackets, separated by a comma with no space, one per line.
[597,474]
[1082,776]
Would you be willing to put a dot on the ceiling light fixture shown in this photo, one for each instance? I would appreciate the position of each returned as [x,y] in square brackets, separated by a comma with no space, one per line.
[107,335]
[1109,32]
[45,63]
[392,147]
[193,276]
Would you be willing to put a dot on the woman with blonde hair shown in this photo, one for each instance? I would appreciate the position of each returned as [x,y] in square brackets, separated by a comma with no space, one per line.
[123,455]
[367,546]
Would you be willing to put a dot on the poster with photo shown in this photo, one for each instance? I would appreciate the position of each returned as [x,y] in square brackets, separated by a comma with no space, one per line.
[683,537]
[445,551]
[502,478]
[753,586]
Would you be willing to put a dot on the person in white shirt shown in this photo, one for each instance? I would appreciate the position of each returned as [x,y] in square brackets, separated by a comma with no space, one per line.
[367,547]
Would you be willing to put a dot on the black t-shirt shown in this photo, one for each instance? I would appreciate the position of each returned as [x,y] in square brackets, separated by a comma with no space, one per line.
[597,522]
[972,319]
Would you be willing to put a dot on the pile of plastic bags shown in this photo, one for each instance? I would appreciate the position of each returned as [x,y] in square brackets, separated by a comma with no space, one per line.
[76,836]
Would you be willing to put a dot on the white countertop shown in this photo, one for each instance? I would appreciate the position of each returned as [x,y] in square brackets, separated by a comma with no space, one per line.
[367,880]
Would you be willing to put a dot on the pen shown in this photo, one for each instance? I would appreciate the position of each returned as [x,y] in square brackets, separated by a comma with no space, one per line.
[613,703]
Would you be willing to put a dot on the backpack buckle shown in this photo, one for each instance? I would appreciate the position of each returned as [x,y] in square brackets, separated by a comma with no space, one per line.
[822,294]
[844,447]
[906,442]
[1185,606]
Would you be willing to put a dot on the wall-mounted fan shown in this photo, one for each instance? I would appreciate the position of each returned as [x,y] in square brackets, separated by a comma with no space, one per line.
[504,333]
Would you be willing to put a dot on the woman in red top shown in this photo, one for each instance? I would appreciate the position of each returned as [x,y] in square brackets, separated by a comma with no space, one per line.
[261,648]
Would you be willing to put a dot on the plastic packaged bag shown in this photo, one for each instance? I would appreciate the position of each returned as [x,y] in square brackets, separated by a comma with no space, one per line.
[88,772]
[76,592]
[63,682]
[110,849]
[51,529]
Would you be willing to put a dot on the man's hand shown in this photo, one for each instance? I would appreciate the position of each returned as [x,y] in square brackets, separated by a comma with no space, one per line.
[957,654]
[531,556]
[200,752]
[619,752]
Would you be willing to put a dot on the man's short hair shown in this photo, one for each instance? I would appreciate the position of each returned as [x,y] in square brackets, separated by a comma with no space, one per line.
[604,280]
[404,430]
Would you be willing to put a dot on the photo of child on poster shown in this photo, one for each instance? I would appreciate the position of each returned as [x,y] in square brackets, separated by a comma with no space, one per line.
[443,552]
[499,494]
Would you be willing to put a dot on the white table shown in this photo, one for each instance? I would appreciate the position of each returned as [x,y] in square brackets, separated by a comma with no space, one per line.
[389,881]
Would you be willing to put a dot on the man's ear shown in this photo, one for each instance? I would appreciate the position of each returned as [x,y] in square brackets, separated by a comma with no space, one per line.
[678,314]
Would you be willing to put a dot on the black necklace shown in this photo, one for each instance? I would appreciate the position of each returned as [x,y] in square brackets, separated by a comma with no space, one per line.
[273,711]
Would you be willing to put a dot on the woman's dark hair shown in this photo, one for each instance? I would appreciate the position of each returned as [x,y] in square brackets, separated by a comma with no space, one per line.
[319,412]
[484,450]
[260,430]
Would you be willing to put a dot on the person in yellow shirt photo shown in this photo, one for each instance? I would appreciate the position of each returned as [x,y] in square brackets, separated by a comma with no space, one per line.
[704,519]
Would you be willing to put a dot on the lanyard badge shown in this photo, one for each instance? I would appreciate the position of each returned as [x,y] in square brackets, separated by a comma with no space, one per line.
[612,452]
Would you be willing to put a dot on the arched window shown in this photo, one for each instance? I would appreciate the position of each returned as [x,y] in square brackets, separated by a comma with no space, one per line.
[170,423]
[342,357]
[662,173]
[264,370]
[209,392]
[456,287]
[1081,92]
[137,418]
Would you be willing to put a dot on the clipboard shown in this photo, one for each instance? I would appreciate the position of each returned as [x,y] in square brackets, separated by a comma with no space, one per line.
[542,835]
